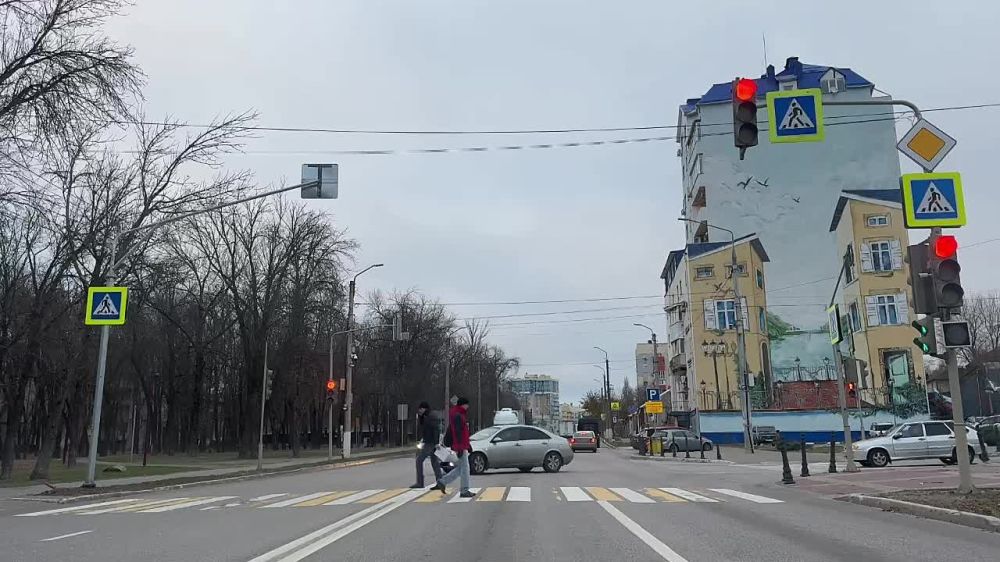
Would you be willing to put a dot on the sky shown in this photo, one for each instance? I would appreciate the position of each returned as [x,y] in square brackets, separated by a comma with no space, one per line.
[588,222]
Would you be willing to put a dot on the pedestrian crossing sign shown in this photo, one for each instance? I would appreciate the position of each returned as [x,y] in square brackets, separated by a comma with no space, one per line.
[106,306]
[933,200]
[795,116]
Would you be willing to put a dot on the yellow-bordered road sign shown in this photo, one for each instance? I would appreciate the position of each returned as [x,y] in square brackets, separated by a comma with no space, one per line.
[931,200]
[615,406]
[795,116]
[836,336]
[106,306]
[926,145]
[654,407]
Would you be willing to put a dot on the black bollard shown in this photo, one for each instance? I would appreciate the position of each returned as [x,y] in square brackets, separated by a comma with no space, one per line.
[786,471]
[805,463]
[718,452]
[984,455]
[661,446]
[673,446]
[702,449]
[687,450]
[833,455]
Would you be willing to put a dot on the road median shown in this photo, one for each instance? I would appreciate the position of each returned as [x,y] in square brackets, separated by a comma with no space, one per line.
[949,515]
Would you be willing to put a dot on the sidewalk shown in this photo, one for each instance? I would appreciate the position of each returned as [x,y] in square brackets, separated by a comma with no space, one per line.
[241,467]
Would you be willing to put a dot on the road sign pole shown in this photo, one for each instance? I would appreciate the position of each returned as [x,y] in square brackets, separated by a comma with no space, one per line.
[95,423]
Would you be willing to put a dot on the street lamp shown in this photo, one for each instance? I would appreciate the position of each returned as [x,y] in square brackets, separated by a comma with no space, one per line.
[714,349]
[348,388]
[607,387]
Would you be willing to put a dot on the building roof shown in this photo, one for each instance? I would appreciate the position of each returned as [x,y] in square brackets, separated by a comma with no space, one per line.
[887,197]
[807,75]
[693,251]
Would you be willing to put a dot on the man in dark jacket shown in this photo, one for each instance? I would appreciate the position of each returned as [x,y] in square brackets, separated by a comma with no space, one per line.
[428,432]
[457,437]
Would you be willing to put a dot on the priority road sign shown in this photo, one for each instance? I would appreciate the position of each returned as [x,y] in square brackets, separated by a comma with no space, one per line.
[795,116]
[106,306]
[926,145]
[933,200]
[652,394]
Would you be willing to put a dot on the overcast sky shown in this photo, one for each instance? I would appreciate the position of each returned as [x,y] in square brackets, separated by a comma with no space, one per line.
[542,224]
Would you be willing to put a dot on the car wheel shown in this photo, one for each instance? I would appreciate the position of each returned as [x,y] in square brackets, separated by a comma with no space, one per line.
[706,447]
[947,460]
[878,457]
[553,462]
[477,463]
[972,455]
[525,468]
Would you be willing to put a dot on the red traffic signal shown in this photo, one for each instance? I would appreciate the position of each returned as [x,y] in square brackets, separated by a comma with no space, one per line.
[945,246]
[745,89]
[331,385]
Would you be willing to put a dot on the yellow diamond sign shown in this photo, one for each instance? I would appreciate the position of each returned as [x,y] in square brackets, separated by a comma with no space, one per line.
[926,145]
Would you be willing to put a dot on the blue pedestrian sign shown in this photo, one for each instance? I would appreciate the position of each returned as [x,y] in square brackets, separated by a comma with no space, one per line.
[106,306]
[933,200]
[795,116]
[652,394]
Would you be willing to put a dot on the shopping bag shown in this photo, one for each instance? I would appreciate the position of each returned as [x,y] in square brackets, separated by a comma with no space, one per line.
[444,454]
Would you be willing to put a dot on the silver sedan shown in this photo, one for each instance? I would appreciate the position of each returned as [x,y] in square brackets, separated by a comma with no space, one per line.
[518,446]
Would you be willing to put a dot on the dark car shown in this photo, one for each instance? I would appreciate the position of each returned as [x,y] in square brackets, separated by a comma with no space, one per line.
[764,434]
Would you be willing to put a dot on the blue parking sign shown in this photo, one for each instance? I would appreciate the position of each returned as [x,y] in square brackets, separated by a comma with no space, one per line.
[652,394]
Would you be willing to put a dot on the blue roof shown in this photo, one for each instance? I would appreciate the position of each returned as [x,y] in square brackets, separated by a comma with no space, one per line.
[694,250]
[807,75]
[892,196]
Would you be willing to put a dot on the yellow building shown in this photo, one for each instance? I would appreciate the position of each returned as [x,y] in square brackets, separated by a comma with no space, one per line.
[874,296]
[702,323]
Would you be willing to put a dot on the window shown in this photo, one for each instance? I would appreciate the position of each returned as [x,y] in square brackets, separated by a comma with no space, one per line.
[740,267]
[725,314]
[833,83]
[704,272]
[790,85]
[936,428]
[694,132]
[878,220]
[532,433]
[886,309]
[855,318]
[760,279]
[849,268]
[762,320]
[912,430]
[881,256]
[511,434]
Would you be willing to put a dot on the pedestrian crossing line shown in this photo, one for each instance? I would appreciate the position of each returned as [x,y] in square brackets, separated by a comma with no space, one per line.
[324,498]
[745,496]
[75,508]
[459,499]
[133,507]
[430,497]
[519,494]
[299,499]
[664,496]
[603,494]
[689,496]
[210,508]
[386,495]
[492,494]
[632,495]
[192,503]
[354,497]
[575,494]
[266,497]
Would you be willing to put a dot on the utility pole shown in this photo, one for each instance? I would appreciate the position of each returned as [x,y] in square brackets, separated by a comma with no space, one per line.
[263,398]
[329,413]
[608,433]
[348,387]
[479,395]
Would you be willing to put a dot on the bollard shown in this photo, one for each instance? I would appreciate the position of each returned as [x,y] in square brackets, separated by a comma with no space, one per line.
[833,455]
[805,463]
[984,455]
[673,446]
[661,445]
[687,450]
[702,449]
[786,471]
[718,452]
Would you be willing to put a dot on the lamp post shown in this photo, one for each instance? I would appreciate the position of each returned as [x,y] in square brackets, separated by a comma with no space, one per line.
[713,350]
[607,390]
[348,388]
[656,358]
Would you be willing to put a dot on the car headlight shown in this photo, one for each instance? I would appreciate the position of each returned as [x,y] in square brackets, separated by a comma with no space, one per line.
[855,446]
[420,445]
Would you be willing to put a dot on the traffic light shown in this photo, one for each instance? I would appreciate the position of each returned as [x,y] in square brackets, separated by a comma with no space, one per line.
[744,114]
[944,270]
[927,340]
[956,333]
[852,390]
[331,386]
[920,278]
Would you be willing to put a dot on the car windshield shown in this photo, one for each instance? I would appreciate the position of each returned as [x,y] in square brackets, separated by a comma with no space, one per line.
[484,433]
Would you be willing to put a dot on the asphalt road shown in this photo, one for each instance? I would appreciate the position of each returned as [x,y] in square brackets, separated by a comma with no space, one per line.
[601,507]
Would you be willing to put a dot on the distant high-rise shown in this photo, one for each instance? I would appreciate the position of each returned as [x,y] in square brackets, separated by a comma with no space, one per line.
[539,397]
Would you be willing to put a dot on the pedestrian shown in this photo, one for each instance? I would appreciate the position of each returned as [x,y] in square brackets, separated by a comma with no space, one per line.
[428,431]
[456,437]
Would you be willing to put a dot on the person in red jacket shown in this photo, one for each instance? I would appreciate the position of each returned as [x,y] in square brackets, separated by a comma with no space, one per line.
[456,437]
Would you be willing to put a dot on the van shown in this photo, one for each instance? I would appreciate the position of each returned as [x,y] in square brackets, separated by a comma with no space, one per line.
[506,416]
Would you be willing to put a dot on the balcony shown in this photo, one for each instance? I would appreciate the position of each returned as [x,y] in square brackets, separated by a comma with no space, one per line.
[671,302]
[678,362]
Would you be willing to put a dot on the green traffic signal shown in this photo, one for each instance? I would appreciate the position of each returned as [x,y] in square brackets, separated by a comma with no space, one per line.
[920,328]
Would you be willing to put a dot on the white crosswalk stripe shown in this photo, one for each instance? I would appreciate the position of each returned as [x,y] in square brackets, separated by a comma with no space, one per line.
[745,496]
[75,508]
[295,500]
[266,497]
[192,503]
[354,497]
[575,494]
[632,495]
[519,494]
[459,499]
[689,496]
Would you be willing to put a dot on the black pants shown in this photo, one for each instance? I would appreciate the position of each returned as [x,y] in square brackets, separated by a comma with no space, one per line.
[427,451]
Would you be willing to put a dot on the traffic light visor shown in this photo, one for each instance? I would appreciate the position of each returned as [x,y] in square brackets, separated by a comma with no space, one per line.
[746,89]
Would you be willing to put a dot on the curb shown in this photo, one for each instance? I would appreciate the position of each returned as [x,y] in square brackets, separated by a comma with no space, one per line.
[680,459]
[219,479]
[975,520]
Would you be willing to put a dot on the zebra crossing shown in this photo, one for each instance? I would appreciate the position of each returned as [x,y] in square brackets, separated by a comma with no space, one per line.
[333,498]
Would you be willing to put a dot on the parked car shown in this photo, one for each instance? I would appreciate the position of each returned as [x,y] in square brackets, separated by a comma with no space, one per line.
[878,429]
[583,441]
[518,446]
[674,440]
[913,440]
[764,434]
[507,416]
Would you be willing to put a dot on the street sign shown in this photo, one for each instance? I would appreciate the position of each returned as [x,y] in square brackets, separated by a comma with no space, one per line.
[654,407]
[931,200]
[835,334]
[402,412]
[795,116]
[652,394]
[106,306]
[326,175]
[926,145]
[615,406]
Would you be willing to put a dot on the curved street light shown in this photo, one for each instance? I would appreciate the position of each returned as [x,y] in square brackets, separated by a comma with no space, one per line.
[348,387]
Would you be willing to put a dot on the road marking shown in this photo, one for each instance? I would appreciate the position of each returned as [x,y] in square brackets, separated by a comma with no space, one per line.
[267,497]
[210,508]
[335,531]
[663,496]
[324,498]
[74,508]
[746,496]
[575,494]
[689,496]
[146,505]
[122,508]
[459,499]
[295,500]
[430,497]
[492,494]
[645,536]
[354,497]
[192,503]
[602,494]
[519,494]
[76,534]
[632,496]
[386,495]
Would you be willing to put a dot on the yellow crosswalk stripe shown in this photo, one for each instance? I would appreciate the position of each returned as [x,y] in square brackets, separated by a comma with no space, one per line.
[161,503]
[663,496]
[143,504]
[603,494]
[492,494]
[323,499]
[431,497]
[388,494]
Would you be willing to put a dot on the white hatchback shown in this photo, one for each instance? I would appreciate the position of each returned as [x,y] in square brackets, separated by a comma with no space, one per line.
[914,440]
